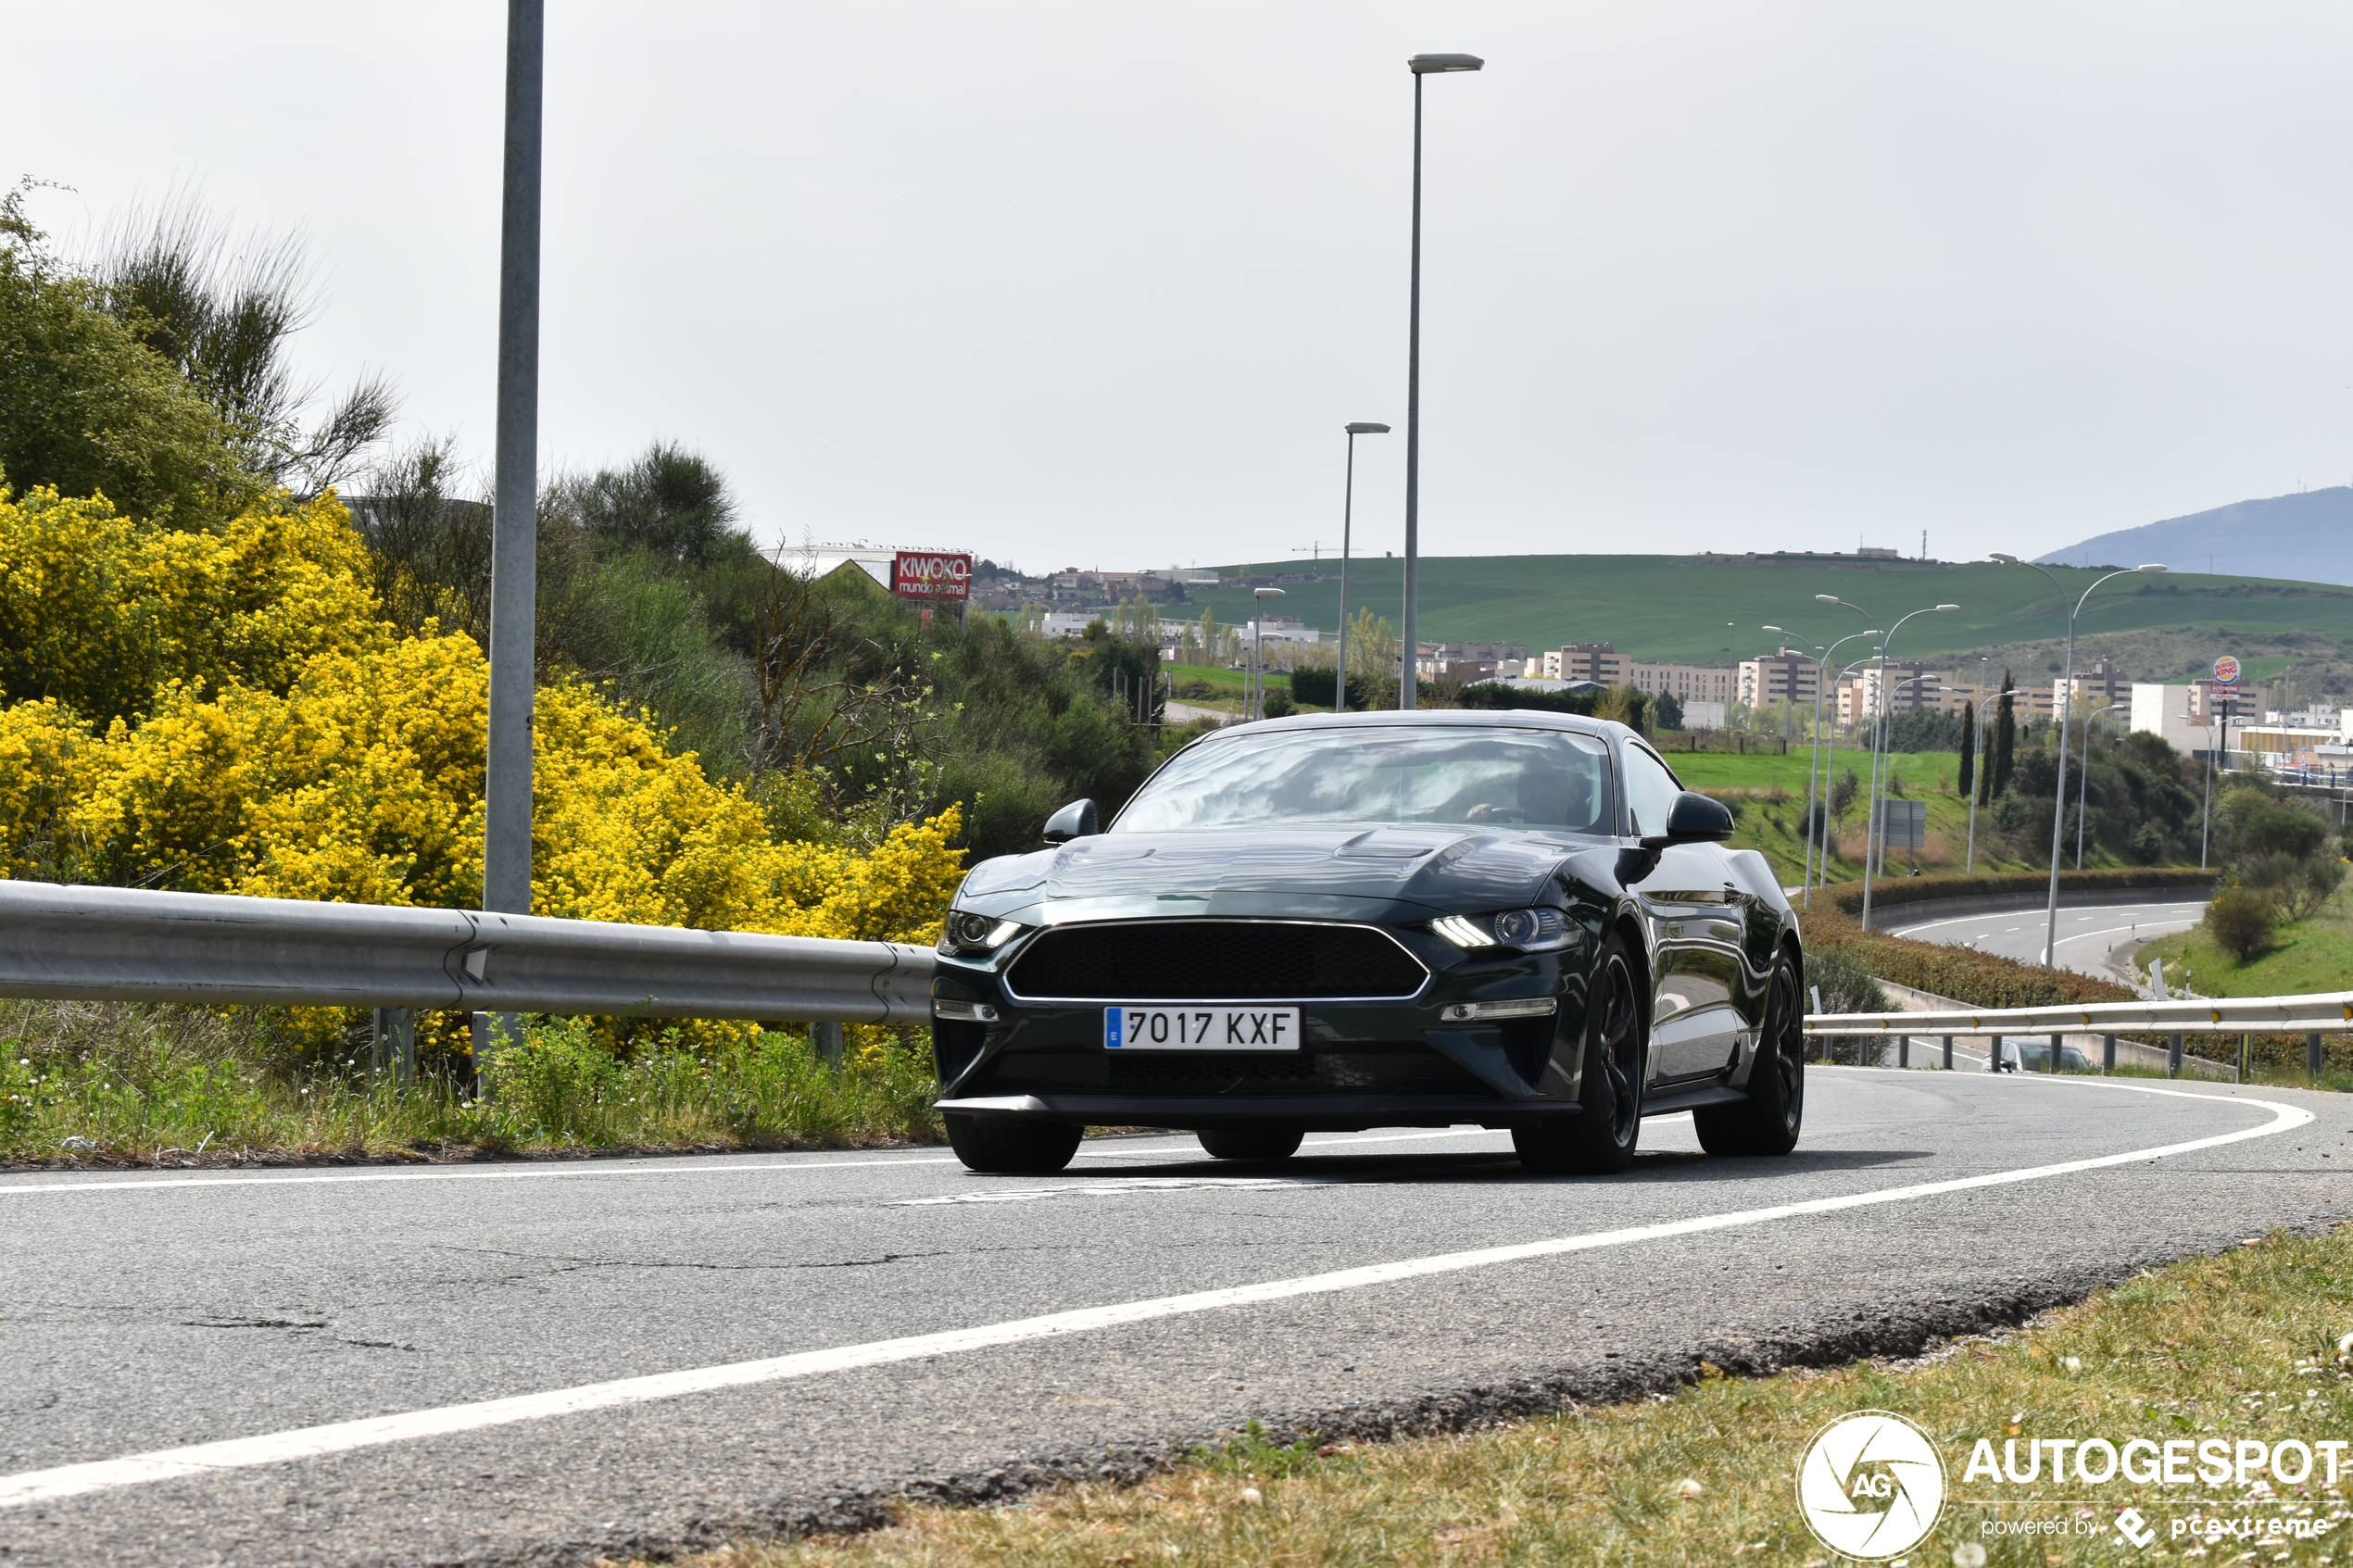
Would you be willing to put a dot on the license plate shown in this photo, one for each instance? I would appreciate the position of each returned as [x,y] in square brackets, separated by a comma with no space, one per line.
[1200,1029]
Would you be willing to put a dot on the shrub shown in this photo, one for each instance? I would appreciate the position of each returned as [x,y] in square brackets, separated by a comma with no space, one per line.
[1843,986]
[1278,703]
[2241,921]
[2148,845]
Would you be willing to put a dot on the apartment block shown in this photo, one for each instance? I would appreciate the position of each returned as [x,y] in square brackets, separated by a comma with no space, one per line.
[1785,677]
[1598,663]
[1688,683]
[2103,682]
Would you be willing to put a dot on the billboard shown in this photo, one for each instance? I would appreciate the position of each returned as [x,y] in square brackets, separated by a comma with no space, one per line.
[932,574]
[2226,671]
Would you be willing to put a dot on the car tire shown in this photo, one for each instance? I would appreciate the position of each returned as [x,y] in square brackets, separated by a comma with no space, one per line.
[1769,1120]
[1601,1139]
[1253,1143]
[1006,1146]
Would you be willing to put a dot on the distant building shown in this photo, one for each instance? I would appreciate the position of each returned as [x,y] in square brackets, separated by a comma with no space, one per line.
[1786,676]
[1598,663]
[2102,681]
[1688,683]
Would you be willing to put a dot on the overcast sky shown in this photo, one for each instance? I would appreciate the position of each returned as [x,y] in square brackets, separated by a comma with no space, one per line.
[1087,283]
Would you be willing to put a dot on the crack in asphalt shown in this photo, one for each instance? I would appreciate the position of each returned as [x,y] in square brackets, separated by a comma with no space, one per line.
[558,1264]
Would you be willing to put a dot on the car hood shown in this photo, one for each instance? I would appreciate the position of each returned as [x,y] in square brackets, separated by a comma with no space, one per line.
[1455,868]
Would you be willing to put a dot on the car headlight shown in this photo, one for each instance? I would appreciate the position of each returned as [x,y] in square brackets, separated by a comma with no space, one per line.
[968,933]
[1529,931]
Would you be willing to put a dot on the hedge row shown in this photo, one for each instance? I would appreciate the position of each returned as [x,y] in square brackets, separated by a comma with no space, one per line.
[1987,980]
[1977,979]
[1891,891]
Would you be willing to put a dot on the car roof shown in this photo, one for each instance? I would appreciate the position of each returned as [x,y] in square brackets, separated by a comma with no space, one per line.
[1473,718]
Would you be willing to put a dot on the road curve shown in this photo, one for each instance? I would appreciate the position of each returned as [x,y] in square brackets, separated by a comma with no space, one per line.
[829,1329]
[2085,934]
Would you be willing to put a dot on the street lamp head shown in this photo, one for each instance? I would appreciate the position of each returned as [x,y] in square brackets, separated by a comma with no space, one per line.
[1826,599]
[2150,568]
[1948,606]
[1366,427]
[1772,629]
[1439,64]
[2006,561]
[1266,592]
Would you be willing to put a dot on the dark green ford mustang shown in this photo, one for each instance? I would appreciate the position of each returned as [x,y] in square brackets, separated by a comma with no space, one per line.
[1520,921]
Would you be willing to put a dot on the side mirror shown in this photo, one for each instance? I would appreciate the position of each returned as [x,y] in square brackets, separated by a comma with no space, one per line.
[1080,820]
[1693,819]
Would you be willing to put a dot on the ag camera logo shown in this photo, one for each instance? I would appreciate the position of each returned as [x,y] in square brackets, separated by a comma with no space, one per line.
[1872,1485]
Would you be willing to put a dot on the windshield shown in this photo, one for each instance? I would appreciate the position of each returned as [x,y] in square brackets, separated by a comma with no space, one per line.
[1486,777]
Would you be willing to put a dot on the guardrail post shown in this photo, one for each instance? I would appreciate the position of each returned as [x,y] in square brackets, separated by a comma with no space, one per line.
[2313,1060]
[827,1040]
[395,1044]
[2173,1058]
[2108,1053]
[2247,1058]
[1902,1050]
[1948,1053]
[2054,1053]
[1992,1053]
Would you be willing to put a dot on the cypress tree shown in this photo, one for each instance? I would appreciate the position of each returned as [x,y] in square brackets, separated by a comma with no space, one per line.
[2005,741]
[1967,781]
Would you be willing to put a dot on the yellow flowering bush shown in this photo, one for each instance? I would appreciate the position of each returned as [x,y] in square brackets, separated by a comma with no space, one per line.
[98,610]
[287,744]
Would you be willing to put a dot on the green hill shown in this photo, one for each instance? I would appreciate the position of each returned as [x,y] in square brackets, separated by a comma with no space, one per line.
[1708,608]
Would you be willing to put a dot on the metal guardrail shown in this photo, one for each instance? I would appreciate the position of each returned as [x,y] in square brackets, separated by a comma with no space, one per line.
[2320,1012]
[123,944]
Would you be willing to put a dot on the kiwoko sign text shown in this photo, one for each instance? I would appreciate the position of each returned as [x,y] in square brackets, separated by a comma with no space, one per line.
[931,575]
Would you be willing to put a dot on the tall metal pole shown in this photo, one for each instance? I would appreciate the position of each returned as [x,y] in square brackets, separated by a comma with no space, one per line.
[1347,514]
[1411,677]
[2058,807]
[1976,783]
[506,858]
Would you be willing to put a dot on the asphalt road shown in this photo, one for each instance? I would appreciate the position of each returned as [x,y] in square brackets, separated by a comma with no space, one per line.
[2085,936]
[141,1314]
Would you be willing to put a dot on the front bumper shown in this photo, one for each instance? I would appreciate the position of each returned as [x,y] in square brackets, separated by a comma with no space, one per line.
[1316,1113]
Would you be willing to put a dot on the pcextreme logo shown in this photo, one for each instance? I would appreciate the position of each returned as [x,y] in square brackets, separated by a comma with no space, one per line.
[1872,1485]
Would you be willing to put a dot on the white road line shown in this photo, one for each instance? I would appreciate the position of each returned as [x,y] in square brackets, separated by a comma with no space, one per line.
[1974,920]
[311,1442]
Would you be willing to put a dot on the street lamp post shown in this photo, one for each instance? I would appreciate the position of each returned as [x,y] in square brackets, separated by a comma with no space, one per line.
[2059,803]
[1347,511]
[1879,740]
[1257,649]
[1976,783]
[1814,770]
[1421,66]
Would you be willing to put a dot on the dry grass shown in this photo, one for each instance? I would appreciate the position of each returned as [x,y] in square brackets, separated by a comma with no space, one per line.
[2208,1346]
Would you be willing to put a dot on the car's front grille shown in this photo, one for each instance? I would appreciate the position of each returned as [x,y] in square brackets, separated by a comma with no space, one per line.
[1208,960]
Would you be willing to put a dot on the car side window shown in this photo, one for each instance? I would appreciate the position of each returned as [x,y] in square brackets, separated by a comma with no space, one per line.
[1650,792]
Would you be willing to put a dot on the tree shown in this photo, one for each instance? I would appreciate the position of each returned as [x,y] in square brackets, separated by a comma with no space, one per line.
[671,501]
[1967,782]
[1843,793]
[1998,778]
[86,406]
[223,312]
[1670,710]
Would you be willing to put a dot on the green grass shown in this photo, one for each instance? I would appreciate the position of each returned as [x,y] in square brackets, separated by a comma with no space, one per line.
[123,1082]
[2305,957]
[2238,1347]
[1774,826]
[1710,608]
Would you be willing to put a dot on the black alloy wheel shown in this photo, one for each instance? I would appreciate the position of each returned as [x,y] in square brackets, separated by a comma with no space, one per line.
[1275,1142]
[1769,1120]
[1600,1139]
[1006,1146]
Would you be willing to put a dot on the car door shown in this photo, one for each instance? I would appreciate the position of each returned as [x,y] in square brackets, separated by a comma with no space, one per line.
[1697,926]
